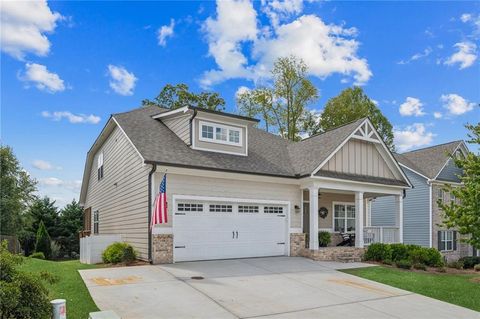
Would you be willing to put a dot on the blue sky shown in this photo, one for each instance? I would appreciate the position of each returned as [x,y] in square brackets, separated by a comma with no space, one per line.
[66,66]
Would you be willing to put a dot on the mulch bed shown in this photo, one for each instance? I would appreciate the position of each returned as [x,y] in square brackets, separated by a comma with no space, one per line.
[433,270]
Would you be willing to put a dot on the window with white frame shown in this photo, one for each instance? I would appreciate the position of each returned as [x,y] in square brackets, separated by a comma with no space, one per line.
[273,209]
[247,209]
[440,194]
[100,166]
[220,208]
[344,217]
[96,221]
[446,242]
[219,133]
[189,207]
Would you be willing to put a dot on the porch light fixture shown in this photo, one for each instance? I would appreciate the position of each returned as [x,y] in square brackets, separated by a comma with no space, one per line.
[297,209]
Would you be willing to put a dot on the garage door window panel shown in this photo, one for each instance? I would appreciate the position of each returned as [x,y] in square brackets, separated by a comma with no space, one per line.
[273,209]
[189,207]
[248,209]
[220,208]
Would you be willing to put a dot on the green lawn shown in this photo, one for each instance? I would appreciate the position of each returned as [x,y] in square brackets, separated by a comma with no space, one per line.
[453,288]
[70,285]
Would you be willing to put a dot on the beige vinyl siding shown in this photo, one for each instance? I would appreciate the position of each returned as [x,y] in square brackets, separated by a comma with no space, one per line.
[229,188]
[180,126]
[121,197]
[359,158]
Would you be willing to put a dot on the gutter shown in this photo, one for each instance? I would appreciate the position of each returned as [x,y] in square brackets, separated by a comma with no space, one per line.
[150,174]
[190,125]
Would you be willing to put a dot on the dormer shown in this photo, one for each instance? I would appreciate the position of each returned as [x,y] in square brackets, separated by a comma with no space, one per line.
[207,130]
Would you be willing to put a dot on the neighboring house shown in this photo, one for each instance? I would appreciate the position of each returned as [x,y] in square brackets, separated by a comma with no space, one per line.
[429,170]
[233,190]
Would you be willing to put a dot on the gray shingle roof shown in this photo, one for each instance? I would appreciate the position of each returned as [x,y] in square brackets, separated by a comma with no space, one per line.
[268,154]
[428,161]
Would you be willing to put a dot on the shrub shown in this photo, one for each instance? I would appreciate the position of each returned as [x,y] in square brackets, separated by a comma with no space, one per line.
[433,258]
[404,264]
[477,267]
[442,269]
[378,252]
[399,252]
[427,256]
[455,264]
[38,255]
[324,238]
[22,295]
[43,243]
[419,266]
[388,262]
[470,262]
[119,252]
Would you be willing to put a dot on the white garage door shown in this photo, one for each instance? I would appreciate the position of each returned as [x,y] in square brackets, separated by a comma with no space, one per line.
[205,230]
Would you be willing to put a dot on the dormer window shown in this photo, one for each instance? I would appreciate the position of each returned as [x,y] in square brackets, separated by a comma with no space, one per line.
[219,133]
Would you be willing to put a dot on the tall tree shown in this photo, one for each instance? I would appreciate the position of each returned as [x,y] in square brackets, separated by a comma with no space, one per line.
[16,192]
[177,96]
[70,224]
[352,104]
[464,212]
[43,210]
[258,102]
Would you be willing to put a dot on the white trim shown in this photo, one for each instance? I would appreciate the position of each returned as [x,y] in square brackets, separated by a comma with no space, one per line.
[129,140]
[430,215]
[296,231]
[214,140]
[414,171]
[372,140]
[448,159]
[217,151]
[302,212]
[354,182]
[162,230]
[333,214]
[172,112]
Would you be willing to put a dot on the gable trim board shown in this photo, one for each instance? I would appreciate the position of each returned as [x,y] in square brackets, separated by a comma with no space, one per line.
[448,158]
[366,123]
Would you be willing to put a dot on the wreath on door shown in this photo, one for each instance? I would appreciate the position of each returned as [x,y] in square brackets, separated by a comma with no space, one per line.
[323,212]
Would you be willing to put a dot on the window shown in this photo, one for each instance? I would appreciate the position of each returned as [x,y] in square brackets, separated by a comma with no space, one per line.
[273,209]
[218,133]
[220,208]
[344,217]
[100,166]
[247,209]
[189,207]
[440,194]
[95,221]
[447,240]
[452,197]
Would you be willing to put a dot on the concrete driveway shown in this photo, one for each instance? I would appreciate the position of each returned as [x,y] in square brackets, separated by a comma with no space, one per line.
[276,287]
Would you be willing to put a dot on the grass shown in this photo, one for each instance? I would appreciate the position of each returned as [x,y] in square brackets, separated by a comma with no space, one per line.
[70,285]
[458,289]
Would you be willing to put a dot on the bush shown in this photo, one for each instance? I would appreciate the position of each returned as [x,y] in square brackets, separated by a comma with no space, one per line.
[388,262]
[427,256]
[404,264]
[399,252]
[38,255]
[378,252]
[22,295]
[419,266]
[433,257]
[119,252]
[470,262]
[43,243]
[477,267]
[442,269]
[324,238]
[455,264]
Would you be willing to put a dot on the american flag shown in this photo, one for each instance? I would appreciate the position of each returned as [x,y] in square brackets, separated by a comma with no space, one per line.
[160,212]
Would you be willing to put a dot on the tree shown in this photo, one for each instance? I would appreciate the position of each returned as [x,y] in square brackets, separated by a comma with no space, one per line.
[17,190]
[352,104]
[177,96]
[43,210]
[284,105]
[464,213]
[43,243]
[70,223]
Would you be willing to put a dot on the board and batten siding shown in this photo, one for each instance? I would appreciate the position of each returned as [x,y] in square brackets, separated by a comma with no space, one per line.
[180,126]
[450,172]
[121,196]
[229,188]
[416,211]
[359,158]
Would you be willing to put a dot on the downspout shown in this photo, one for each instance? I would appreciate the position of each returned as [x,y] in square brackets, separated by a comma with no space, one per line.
[150,174]
[191,121]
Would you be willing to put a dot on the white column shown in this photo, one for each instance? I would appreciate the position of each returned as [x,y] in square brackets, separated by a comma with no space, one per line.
[313,193]
[359,219]
[399,216]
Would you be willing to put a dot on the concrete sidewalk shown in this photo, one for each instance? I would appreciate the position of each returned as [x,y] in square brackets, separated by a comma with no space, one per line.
[276,287]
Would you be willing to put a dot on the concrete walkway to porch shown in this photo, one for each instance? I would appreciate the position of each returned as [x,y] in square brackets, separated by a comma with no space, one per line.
[274,287]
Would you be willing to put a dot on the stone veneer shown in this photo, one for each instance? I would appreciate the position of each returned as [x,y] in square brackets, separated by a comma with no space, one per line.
[297,244]
[340,254]
[162,249]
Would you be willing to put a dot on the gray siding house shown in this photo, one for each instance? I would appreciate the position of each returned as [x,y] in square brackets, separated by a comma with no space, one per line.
[429,170]
[234,190]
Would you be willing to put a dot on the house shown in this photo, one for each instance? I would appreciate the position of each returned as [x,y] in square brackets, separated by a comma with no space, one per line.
[429,170]
[234,190]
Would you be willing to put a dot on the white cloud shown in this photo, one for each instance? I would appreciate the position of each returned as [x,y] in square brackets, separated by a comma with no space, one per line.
[411,106]
[412,136]
[42,78]
[417,56]
[44,165]
[455,104]
[278,10]
[465,56]
[72,118]
[23,27]
[56,182]
[241,90]
[165,31]
[437,115]
[474,21]
[326,49]
[122,81]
